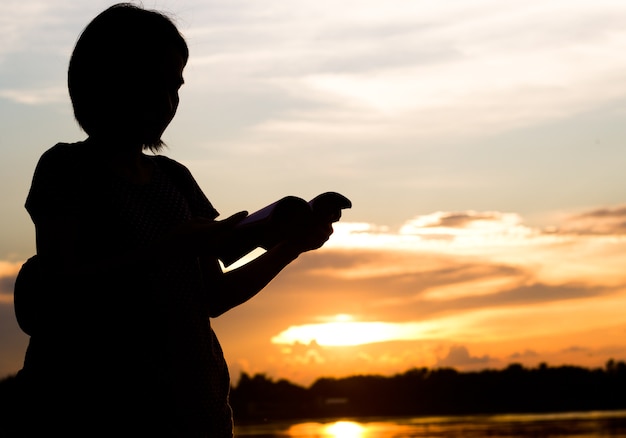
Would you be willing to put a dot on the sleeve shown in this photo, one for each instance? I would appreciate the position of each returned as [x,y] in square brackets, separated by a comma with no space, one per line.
[199,204]
[53,191]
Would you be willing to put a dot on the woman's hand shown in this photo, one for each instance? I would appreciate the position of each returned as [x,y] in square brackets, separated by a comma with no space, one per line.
[312,236]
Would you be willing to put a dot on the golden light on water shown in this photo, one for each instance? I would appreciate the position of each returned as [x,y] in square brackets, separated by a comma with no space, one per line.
[337,429]
[353,429]
[344,429]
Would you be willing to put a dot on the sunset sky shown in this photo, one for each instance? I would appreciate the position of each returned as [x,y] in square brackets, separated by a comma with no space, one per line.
[480,141]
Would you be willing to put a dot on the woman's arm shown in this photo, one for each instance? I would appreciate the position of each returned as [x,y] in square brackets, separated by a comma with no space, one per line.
[230,289]
[61,241]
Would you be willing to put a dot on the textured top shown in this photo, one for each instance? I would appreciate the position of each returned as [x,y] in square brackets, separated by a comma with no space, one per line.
[147,328]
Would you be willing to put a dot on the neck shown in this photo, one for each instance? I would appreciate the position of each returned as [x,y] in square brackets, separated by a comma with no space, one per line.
[126,159]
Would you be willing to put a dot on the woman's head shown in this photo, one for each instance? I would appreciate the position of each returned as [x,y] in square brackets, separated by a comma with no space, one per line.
[124,74]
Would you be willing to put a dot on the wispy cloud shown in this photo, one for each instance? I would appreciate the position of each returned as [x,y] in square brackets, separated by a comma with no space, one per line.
[459,357]
[38,96]
[604,221]
[39,26]
[477,64]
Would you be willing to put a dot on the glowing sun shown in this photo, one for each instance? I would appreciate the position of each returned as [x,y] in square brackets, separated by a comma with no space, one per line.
[342,330]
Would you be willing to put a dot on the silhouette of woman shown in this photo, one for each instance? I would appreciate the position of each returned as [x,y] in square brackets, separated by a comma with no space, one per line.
[129,248]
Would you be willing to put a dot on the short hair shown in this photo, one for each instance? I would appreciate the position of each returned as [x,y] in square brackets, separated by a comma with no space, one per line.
[116,47]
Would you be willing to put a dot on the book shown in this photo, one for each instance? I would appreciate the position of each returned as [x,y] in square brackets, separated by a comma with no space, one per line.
[277,221]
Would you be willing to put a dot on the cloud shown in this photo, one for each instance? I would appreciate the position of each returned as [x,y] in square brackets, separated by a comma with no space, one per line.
[36,96]
[483,231]
[477,229]
[603,221]
[462,219]
[576,349]
[469,224]
[39,26]
[304,362]
[19,18]
[368,75]
[531,294]
[459,357]
[526,354]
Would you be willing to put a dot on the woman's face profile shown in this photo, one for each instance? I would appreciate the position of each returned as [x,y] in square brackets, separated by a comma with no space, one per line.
[148,99]
[156,96]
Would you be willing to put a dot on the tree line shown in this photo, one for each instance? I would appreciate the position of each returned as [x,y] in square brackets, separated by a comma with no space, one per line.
[421,391]
[443,391]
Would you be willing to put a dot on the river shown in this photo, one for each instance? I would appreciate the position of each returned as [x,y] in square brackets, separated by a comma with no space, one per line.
[562,425]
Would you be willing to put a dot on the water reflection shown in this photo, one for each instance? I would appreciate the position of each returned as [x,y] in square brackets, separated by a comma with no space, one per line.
[337,429]
[564,425]
[345,429]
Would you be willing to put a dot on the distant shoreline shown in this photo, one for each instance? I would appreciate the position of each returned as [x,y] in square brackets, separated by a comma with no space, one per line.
[425,392]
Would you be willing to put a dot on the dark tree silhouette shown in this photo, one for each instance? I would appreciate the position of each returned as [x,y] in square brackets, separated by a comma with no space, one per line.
[443,391]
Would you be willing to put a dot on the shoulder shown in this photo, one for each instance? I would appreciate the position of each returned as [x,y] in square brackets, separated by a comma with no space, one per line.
[63,155]
[170,165]
[66,150]
[66,163]
[60,176]
[180,175]
[176,171]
